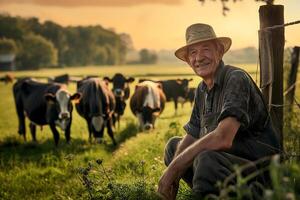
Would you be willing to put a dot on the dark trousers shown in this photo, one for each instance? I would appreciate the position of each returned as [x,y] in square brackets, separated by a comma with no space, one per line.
[208,168]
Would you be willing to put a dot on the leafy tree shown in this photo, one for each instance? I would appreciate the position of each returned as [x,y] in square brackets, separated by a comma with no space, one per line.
[8,46]
[146,57]
[36,52]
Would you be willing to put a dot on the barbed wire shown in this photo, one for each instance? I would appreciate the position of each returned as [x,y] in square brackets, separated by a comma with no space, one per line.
[280,26]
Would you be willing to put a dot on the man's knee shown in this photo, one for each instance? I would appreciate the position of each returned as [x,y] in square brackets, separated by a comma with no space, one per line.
[170,149]
[207,171]
[205,159]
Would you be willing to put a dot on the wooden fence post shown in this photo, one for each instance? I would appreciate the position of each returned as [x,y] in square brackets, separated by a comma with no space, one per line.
[291,82]
[271,50]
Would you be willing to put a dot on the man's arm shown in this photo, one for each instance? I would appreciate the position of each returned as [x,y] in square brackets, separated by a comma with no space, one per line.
[219,139]
[186,141]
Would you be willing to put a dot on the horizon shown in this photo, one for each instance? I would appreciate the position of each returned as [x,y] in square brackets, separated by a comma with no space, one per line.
[151,23]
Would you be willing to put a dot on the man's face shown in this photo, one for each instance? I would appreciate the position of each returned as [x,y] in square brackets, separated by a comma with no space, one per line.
[204,58]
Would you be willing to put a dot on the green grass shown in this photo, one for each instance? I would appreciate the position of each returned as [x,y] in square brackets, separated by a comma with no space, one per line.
[40,171]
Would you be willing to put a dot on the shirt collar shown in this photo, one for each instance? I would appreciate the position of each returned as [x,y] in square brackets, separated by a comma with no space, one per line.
[217,78]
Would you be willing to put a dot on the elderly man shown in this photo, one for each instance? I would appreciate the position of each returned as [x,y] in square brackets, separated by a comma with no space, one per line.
[229,125]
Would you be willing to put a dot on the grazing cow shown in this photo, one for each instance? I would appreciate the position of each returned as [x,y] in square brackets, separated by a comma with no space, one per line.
[7,78]
[43,103]
[96,106]
[147,103]
[64,78]
[121,91]
[175,89]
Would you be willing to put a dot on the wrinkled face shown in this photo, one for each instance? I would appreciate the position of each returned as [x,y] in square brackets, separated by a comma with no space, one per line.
[204,58]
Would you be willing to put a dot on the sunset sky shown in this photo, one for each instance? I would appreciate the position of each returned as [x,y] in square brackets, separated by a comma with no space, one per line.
[158,24]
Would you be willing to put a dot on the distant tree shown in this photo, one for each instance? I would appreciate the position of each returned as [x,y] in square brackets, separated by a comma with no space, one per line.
[8,46]
[147,57]
[36,52]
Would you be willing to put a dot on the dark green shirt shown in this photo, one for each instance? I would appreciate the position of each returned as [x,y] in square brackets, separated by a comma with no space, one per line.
[234,94]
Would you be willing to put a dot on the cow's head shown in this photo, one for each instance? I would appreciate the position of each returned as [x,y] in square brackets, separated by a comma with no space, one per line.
[183,86]
[121,90]
[151,106]
[61,102]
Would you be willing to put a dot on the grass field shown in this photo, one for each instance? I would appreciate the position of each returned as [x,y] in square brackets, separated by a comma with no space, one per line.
[41,171]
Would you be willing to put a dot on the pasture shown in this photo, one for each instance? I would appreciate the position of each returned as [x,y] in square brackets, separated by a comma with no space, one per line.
[42,171]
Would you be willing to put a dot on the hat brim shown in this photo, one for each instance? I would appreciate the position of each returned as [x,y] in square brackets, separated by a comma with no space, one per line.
[181,53]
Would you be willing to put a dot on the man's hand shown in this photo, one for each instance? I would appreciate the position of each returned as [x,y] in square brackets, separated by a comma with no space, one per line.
[169,183]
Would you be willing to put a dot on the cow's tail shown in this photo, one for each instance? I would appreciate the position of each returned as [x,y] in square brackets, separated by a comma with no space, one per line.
[17,89]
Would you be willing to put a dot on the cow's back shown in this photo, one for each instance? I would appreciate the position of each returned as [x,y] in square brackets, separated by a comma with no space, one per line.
[29,95]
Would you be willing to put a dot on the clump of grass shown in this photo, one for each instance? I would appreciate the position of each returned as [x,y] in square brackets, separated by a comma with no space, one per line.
[175,129]
[100,183]
[284,183]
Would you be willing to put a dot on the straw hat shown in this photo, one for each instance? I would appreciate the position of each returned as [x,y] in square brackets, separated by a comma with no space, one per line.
[199,33]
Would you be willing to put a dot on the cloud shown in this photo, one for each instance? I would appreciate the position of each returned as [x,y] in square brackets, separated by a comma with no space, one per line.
[77,3]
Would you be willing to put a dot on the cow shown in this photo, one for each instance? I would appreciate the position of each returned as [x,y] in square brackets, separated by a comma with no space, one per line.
[189,97]
[64,78]
[96,106]
[7,78]
[175,89]
[121,91]
[147,103]
[43,103]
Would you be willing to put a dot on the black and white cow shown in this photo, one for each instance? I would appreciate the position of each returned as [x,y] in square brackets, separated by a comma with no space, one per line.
[43,103]
[147,103]
[175,90]
[121,91]
[96,106]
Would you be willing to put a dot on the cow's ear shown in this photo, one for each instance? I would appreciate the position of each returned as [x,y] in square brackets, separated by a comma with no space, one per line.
[107,79]
[130,80]
[179,81]
[156,109]
[159,85]
[76,97]
[50,98]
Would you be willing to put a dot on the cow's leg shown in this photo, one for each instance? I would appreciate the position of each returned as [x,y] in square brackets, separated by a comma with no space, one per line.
[90,129]
[21,118]
[68,132]
[22,128]
[32,127]
[110,131]
[175,104]
[55,133]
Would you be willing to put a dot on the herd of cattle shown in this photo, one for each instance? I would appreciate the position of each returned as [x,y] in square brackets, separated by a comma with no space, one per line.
[50,103]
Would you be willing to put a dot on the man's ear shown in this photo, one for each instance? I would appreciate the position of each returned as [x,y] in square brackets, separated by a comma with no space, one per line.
[50,98]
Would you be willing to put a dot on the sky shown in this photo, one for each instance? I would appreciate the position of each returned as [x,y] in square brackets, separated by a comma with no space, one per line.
[158,24]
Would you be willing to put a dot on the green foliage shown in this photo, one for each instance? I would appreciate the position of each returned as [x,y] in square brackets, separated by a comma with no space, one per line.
[37,52]
[91,45]
[146,57]
[7,46]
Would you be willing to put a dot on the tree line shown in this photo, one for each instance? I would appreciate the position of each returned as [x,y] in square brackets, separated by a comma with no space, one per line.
[49,44]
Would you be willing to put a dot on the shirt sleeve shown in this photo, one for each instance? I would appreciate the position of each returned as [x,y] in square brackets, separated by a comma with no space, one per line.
[236,98]
[193,126]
